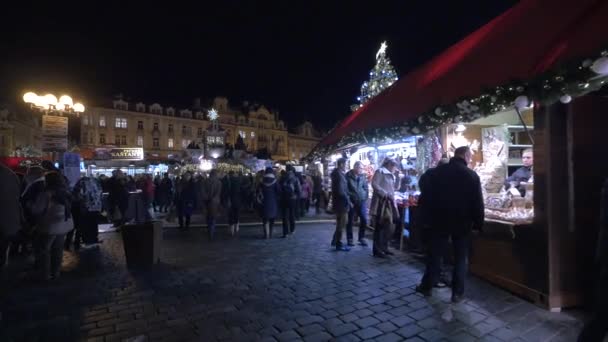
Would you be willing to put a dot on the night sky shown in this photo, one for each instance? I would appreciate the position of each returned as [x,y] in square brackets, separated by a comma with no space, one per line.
[305,58]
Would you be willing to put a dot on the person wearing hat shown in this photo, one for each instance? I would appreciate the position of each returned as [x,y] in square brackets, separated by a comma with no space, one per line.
[383,208]
[341,202]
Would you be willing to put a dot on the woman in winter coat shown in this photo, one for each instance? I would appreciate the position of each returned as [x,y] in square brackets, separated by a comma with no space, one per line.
[53,207]
[211,194]
[383,209]
[268,194]
[185,200]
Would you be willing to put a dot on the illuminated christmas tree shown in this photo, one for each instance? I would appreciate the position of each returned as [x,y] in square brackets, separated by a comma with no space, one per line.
[380,77]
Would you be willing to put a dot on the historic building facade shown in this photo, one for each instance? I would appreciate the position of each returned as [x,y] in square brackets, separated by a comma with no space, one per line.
[165,131]
[19,129]
[302,141]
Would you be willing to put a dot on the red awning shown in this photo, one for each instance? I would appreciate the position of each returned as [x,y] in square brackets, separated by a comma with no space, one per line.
[532,37]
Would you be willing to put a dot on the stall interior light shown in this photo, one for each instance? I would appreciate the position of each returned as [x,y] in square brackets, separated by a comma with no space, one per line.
[461,128]
[394,146]
[366,149]
[335,157]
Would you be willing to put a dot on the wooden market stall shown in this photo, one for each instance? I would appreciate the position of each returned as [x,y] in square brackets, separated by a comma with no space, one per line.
[559,66]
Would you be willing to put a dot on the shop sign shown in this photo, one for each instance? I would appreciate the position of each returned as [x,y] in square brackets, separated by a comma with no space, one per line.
[127,153]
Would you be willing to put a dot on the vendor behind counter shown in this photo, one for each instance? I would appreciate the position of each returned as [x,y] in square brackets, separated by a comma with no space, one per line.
[523,174]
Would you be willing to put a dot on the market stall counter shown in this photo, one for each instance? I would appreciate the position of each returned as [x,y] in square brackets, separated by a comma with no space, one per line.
[510,255]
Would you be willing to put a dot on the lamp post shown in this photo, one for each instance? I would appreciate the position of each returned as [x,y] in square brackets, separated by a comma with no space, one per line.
[49,105]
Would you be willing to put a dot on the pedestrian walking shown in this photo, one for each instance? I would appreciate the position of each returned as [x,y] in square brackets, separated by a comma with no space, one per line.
[185,200]
[341,202]
[33,186]
[53,207]
[11,218]
[87,197]
[317,191]
[211,194]
[290,192]
[383,208]
[267,197]
[358,191]
[304,196]
[118,197]
[454,208]
[233,192]
[165,193]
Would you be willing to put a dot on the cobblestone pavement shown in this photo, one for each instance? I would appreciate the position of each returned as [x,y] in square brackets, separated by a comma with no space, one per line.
[249,289]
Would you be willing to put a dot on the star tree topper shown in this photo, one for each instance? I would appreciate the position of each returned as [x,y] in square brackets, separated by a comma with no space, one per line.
[213,115]
[382,50]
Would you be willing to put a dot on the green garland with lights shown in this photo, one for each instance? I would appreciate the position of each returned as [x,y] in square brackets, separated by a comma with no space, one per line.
[569,80]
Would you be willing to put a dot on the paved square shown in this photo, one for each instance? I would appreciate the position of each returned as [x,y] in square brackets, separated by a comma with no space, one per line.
[249,289]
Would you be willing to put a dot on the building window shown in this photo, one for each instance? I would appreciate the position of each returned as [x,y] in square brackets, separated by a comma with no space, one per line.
[102,121]
[140,140]
[199,132]
[243,134]
[156,125]
[210,140]
[155,142]
[102,138]
[170,143]
[85,119]
[170,128]
[253,134]
[140,125]
[123,140]
[121,123]
[184,129]
[117,140]
[185,143]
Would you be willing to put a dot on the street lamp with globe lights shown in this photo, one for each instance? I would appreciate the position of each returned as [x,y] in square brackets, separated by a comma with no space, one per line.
[49,104]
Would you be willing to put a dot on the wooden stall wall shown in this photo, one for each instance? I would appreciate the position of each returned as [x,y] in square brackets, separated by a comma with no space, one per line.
[588,129]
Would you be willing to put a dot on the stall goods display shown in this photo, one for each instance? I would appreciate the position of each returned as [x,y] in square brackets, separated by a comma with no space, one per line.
[514,215]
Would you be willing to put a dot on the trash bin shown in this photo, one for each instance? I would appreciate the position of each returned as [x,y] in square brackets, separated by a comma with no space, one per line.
[142,243]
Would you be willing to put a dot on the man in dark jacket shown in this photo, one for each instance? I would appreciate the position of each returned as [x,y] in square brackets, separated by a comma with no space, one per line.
[597,328]
[11,217]
[290,192]
[317,191]
[358,191]
[456,204]
[341,201]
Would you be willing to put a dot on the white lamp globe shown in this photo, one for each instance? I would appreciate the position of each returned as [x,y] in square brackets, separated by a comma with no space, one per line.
[78,107]
[565,99]
[65,100]
[30,97]
[50,99]
[42,102]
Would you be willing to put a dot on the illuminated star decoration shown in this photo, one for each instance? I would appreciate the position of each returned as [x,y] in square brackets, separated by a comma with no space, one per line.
[213,115]
[382,50]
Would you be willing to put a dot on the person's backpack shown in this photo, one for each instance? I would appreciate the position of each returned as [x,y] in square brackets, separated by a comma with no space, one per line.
[288,188]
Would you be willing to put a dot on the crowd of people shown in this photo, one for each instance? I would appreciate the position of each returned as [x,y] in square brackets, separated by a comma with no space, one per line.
[45,216]
[450,203]
[48,215]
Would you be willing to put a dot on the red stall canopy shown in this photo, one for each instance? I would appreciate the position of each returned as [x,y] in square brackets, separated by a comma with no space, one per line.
[532,37]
